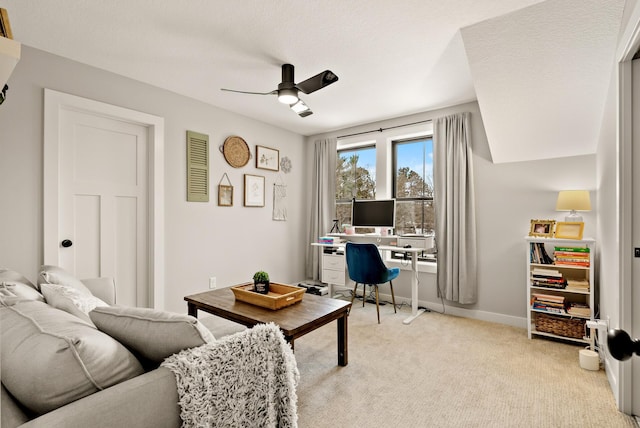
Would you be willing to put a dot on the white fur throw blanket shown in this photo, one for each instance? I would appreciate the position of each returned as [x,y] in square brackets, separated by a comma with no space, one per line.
[247,379]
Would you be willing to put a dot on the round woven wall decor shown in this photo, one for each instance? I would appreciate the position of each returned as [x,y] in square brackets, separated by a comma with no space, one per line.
[236,151]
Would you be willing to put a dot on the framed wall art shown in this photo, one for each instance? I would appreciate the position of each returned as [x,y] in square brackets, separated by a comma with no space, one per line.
[225,192]
[267,158]
[253,190]
[225,195]
[569,230]
[542,228]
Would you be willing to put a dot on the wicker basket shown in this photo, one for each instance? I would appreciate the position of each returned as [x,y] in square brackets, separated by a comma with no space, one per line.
[562,326]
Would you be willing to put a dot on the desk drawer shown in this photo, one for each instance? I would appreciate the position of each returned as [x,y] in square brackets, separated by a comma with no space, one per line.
[334,262]
[336,277]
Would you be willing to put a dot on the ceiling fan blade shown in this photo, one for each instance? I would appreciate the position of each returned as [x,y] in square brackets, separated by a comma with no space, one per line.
[301,108]
[318,81]
[251,93]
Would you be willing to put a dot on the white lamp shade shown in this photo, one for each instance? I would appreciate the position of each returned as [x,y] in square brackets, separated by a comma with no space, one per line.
[288,95]
[573,200]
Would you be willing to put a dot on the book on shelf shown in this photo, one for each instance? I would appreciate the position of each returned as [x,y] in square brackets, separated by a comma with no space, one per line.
[579,309]
[548,303]
[543,304]
[549,284]
[578,284]
[564,256]
[549,309]
[538,254]
[572,263]
[550,273]
[548,298]
[573,249]
[547,278]
[572,254]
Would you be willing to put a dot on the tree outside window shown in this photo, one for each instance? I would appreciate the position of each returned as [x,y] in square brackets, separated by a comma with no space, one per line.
[355,178]
[413,186]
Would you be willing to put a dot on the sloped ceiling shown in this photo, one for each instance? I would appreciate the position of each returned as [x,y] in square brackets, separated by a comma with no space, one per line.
[539,69]
[541,75]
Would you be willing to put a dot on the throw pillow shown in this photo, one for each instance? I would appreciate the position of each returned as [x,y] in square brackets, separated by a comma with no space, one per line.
[16,285]
[71,300]
[50,358]
[57,275]
[152,334]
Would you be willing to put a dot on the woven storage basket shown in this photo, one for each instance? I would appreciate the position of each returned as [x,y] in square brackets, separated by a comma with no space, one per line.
[568,327]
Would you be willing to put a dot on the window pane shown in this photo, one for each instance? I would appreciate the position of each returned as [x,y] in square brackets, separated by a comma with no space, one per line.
[343,213]
[414,169]
[417,216]
[356,174]
[413,186]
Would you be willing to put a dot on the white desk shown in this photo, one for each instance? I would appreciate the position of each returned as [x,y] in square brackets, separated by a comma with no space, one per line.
[415,312]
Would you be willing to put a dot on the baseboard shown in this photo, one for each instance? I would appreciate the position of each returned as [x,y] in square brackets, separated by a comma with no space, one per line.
[613,380]
[520,322]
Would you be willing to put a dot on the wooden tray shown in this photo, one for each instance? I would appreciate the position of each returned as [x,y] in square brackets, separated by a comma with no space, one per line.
[280,295]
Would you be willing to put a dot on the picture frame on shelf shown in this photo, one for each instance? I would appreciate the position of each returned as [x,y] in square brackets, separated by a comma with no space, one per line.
[542,228]
[267,158]
[225,195]
[569,230]
[5,26]
[253,190]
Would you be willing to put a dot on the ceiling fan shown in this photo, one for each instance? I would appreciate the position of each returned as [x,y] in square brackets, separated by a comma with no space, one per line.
[288,90]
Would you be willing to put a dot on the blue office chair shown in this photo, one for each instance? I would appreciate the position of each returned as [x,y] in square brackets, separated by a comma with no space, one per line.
[366,267]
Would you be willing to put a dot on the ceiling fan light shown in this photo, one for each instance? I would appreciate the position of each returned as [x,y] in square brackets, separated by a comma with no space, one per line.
[288,95]
[301,108]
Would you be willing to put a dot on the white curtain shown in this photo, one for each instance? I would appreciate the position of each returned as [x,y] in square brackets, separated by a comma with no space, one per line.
[323,199]
[455,209]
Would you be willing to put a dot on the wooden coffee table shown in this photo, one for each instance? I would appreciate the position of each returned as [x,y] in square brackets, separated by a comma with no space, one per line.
[294,321]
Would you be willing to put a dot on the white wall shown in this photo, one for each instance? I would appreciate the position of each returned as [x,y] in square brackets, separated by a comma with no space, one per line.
[508,196]
[608,260]
[202,239]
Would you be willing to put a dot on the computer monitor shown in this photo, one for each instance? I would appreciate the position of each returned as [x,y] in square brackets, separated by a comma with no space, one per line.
[373,213]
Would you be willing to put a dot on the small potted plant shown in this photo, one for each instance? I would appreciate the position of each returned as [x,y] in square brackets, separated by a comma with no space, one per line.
[261,282]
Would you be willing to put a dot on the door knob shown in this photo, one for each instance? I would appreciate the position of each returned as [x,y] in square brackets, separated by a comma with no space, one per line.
[66,243]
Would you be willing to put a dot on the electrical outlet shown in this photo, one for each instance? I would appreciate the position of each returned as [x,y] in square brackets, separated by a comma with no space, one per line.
[212,282]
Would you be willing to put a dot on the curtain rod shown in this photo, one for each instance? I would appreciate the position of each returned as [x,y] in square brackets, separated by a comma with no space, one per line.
[384,129]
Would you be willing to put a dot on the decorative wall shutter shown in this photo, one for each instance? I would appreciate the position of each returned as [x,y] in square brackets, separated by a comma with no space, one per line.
[197,167]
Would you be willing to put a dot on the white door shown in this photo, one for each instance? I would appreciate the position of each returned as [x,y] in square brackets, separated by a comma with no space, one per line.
[100,198]
[103,202]
[635,207]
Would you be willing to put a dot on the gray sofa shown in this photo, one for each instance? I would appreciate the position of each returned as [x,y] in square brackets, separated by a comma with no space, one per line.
[132,391]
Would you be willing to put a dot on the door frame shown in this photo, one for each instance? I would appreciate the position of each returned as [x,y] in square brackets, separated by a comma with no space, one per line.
[628,46]
[54,103]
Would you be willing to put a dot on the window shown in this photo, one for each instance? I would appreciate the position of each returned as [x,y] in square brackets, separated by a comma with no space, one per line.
[413,187]
[394,164]
[355,178]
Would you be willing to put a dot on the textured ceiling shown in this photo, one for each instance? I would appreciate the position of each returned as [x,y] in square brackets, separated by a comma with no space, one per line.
[543,72]
[519,57]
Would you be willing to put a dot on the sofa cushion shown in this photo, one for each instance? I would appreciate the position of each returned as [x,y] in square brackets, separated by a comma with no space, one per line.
[152,334]
[50,358]
[70,300]
[57,275]
[16,285]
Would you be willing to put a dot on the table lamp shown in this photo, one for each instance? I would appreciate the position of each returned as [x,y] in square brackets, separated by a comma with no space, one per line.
[573,200]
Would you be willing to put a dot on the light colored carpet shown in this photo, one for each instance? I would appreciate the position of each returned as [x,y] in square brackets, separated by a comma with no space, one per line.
[443,371]
[446,371]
